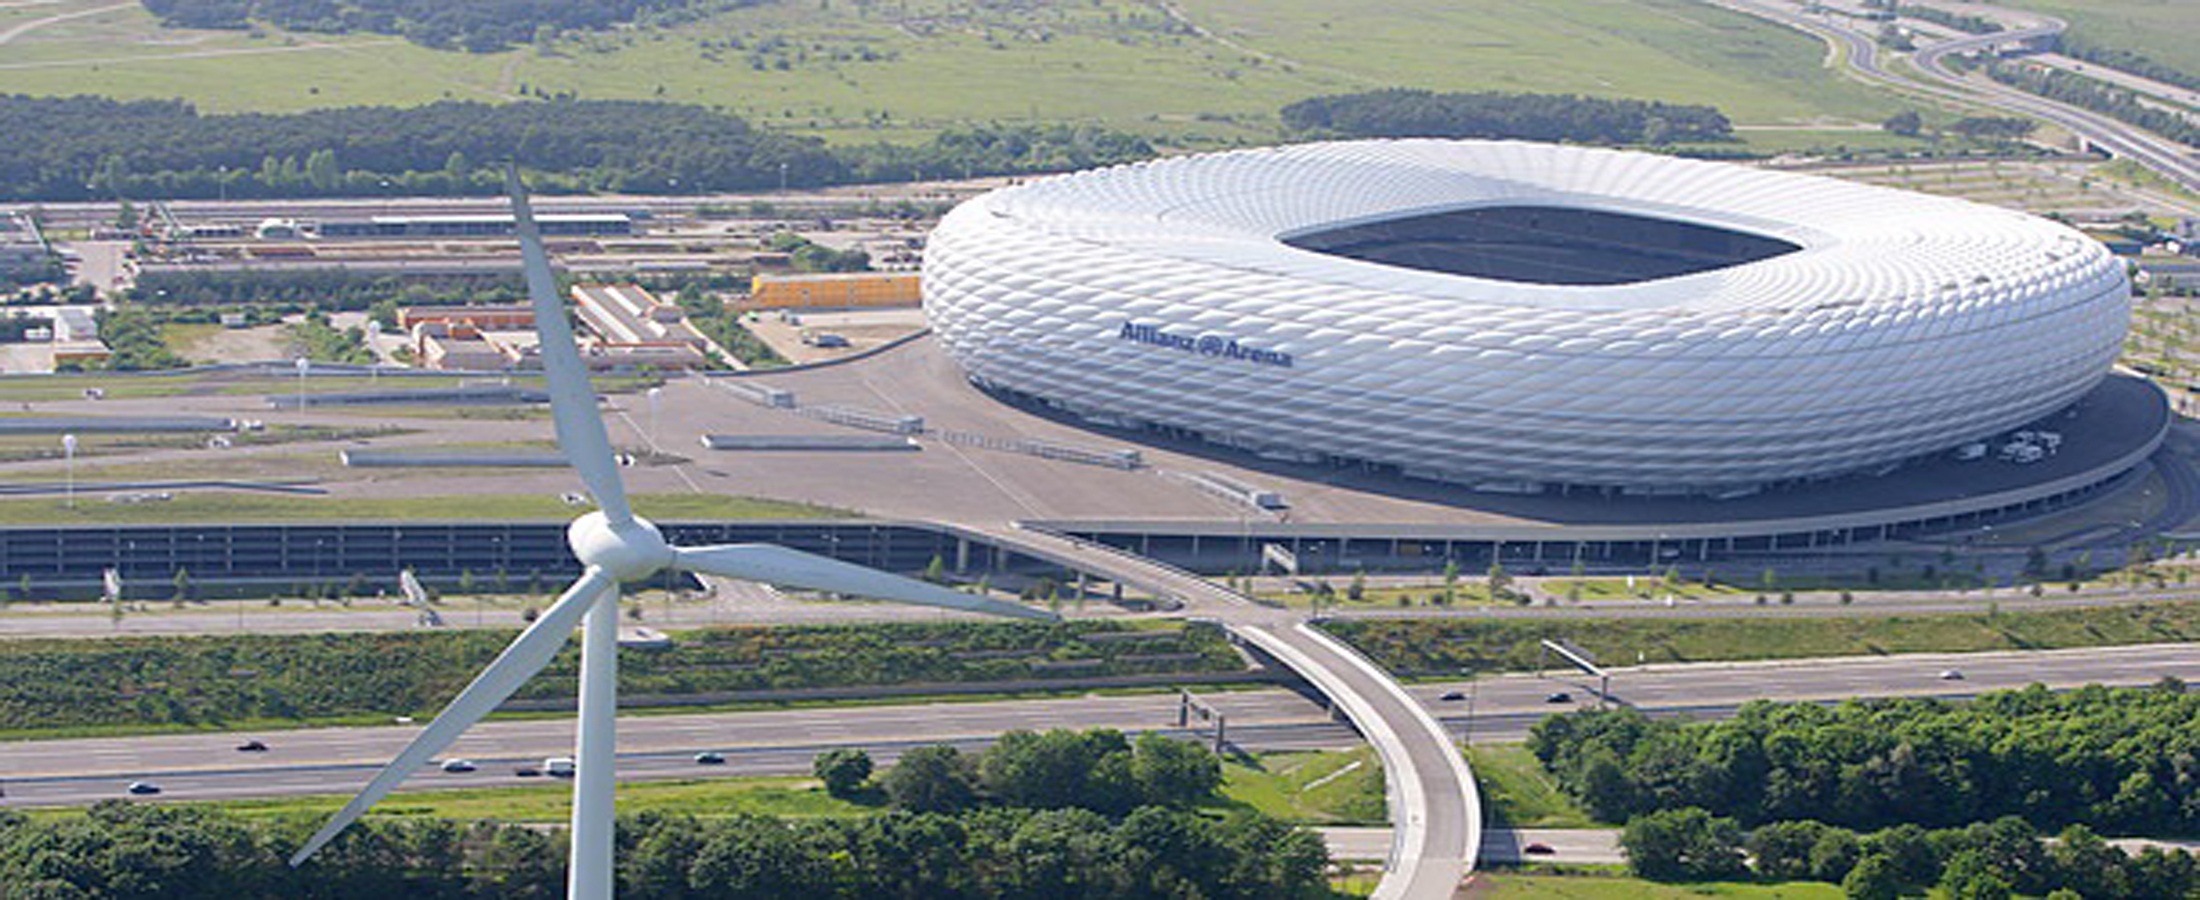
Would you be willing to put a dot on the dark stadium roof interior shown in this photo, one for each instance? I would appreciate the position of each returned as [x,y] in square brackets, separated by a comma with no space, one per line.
[1545,245]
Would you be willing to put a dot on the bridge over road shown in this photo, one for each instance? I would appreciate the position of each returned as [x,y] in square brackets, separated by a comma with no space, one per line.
[1435,812]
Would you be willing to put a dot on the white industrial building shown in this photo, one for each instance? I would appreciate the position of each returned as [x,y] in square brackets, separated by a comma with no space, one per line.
[1522,316]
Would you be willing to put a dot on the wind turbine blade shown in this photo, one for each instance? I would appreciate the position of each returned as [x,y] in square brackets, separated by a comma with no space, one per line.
[781,565]
[519,662]
[572,398]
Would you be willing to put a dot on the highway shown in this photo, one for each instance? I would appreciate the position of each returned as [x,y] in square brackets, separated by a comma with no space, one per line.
[783,742]
[2173,160]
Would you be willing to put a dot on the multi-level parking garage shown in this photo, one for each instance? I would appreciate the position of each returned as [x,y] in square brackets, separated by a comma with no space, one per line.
[1522,315]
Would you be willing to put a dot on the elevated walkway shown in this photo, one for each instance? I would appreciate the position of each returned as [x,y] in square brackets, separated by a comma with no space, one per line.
[1435,811]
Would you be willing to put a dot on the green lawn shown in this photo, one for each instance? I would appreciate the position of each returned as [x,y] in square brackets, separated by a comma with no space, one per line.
[216,507]
[1469,591]
[1508,886]
[861,72]
[1313,788]
[1449,646]
[1518,793]
[2161,29]
[1645,586]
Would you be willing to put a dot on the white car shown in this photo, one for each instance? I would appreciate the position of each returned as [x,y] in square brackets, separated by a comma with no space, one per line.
[458,766]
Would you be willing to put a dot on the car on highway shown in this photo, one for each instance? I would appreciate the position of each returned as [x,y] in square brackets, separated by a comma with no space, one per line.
[252,746]
[144,787]
[559,767]
[1452,697]
[1538,850]
[708,758]
[1951,675]
[458,766]
[527,772]
[1559,697]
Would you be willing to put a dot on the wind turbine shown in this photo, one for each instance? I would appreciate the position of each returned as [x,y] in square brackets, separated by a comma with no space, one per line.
[614,546]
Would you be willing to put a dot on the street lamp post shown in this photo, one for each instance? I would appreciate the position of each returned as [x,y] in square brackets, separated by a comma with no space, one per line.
[68,455]
[655,394]
[374,352]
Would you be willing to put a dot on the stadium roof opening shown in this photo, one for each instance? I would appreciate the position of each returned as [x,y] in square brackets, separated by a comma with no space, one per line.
[1544,245]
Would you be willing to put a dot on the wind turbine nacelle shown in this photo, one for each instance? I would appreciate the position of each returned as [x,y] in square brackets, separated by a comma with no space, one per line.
[630,550]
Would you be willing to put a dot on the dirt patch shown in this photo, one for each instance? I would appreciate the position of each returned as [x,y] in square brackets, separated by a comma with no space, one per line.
[230,345]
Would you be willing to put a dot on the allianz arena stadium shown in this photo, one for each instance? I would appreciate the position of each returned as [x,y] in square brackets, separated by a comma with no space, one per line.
[1521,316]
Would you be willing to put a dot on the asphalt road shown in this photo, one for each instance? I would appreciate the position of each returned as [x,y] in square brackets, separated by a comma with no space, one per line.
[338,760]
[2167,157]
[1575,846]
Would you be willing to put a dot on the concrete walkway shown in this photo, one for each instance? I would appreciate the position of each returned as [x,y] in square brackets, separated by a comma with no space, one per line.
[1436,814]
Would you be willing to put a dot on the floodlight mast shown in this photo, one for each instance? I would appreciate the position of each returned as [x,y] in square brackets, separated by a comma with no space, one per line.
[613,546]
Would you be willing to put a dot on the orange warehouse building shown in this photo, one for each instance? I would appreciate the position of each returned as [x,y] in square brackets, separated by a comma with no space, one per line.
[833,291]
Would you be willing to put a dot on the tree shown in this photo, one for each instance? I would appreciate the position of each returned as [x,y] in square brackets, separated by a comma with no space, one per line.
[843,769]
[937,779]
[1499,581]
[1354,590]
[321,170]
[1685,844]
[182,582]
[1451,581]
[936,570]
[1906,123]
[1782,849]
[1873,878]
[1172,772]
[1834,854]
[1058,768]
[1972,875]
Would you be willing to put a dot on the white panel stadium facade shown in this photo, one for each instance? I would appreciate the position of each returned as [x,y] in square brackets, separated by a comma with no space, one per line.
[1513,314]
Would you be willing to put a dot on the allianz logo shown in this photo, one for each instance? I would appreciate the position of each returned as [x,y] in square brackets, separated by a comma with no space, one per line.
[1212,345]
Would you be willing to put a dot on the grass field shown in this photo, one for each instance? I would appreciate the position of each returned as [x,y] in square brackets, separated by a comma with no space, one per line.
[1314,788]
[1511,886]
[1517,793]
[211,507]
[1197,70]
[2161,29]
[1449,646]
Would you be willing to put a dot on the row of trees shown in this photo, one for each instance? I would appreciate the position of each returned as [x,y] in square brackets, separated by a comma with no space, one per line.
[811,256]
[709,315]
[2074,43]
[2126,760]
[479,26]
[121,850]
[90,148]
[1400,112]
[1980,861]
[326,290]
[206,680]
[1097,770]
[2078,90]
